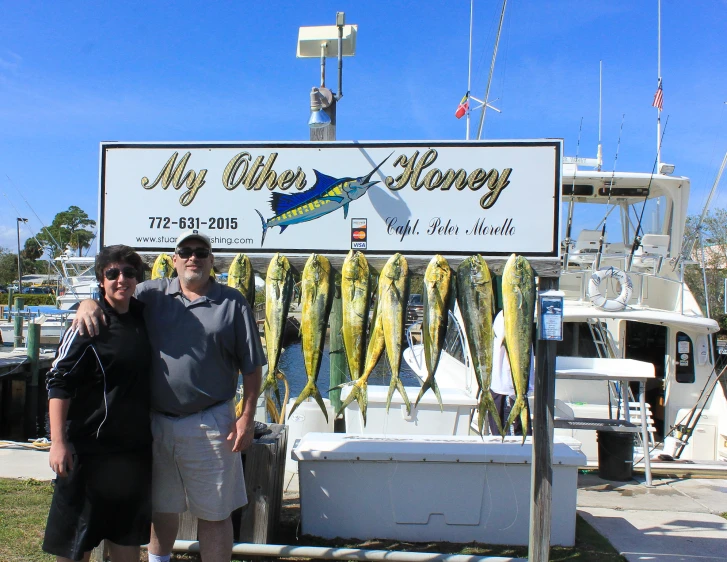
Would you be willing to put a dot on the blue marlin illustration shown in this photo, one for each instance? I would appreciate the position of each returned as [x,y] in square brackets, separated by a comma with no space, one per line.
[328,194]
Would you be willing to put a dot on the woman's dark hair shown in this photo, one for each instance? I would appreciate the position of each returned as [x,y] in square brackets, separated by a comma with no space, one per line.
[118,253]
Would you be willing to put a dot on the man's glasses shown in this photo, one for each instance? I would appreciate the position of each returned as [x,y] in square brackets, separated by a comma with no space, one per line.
[112,274]
[199,253]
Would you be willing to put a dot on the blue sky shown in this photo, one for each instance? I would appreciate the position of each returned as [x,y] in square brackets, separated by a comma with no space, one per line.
[73,74]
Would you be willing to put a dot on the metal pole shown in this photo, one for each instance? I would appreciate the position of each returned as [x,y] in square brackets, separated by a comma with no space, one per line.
[20,270]
[469,67]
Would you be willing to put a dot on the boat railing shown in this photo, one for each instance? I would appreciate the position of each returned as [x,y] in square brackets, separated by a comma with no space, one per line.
[643,274]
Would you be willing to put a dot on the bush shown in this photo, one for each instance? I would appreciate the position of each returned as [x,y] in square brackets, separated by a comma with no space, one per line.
[31,300]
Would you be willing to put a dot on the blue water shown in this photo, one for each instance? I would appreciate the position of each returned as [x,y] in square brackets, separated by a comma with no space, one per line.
[291,363]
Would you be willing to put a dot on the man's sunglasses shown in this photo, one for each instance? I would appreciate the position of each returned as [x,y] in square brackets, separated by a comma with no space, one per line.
[199,253]
[112,274]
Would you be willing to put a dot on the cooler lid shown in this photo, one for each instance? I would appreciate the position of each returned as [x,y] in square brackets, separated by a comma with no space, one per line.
[424,448]
[450,396]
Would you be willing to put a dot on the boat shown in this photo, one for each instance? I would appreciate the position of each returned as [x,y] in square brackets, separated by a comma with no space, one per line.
[650,316]
[76,282]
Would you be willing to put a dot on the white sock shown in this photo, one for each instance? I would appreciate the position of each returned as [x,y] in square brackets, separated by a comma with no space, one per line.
[159,557]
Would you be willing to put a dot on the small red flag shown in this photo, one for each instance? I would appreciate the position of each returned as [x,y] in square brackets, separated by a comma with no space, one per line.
[658,98]
[463,106]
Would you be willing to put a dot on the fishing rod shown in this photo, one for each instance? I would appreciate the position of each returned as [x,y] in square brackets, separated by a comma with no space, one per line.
[597,261]
[688,246]
[637,238]
[571,203]
[47,230]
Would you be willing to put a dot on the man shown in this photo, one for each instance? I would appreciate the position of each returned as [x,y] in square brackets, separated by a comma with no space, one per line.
[202,335]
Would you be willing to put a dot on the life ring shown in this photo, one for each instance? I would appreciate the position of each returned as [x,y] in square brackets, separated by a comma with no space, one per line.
[598,299]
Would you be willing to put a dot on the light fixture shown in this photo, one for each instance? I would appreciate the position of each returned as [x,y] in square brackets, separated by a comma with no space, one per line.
[320,98]
[321,42]
[666,169]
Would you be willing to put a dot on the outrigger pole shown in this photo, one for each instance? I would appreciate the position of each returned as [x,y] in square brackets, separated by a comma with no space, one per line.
[485,103]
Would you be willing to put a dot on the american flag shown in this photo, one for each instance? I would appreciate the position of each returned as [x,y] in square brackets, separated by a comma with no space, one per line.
[658,98]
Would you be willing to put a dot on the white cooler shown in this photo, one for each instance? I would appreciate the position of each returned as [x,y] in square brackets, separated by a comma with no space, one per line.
[307,417]
[425,419]
[429,488]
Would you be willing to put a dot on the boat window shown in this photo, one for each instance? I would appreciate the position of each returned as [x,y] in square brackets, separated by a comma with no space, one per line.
[684,359]
[622,191]
[577,341]
[577,190]
[654,215]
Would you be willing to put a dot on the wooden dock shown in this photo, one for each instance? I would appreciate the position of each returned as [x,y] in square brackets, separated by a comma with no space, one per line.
[22,394]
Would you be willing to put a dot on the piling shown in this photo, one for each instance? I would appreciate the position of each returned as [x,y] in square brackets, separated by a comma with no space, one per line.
[34,425]
[17,331]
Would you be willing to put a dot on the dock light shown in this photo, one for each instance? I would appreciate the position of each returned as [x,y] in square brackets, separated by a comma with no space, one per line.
[320,99]
[321,42]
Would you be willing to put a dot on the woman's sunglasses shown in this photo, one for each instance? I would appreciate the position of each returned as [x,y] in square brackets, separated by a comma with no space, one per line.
[112,274]
[199,253]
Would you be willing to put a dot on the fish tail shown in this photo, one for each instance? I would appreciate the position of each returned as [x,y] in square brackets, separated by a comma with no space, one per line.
[351,395]
[402,391]
[272,410]
[265,228]
[524,420]
[363,401]
[518,409]
[311,390]
[487,406]
[430,383]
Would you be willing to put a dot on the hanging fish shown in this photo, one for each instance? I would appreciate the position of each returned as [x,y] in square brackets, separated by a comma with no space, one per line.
[359,387]
[316,292]
[278,292]
[355,297]
[518,303]
[328,194]
[241,277]
[393,299]
[475,297]
[163,267]
[437,297]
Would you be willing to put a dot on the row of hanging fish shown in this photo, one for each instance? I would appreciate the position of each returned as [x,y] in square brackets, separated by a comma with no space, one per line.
[365,342]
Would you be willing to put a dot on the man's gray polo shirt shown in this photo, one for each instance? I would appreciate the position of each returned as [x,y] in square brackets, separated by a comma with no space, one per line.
[199,347]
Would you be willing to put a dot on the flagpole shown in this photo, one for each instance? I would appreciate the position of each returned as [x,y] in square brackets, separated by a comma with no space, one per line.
[469,67]
[658,71]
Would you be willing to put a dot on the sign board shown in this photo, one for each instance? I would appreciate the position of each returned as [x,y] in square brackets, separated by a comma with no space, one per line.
[417,198]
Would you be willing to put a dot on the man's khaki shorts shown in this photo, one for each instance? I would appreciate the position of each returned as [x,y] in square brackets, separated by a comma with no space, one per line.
[194,466]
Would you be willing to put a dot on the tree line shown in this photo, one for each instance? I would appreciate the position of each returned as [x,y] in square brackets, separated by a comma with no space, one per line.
[69,229]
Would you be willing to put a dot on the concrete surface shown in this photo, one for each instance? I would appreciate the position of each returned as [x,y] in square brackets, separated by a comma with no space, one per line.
[17,462]
[675,520]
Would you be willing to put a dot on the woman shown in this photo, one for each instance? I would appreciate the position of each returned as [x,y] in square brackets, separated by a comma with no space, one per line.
[98,390]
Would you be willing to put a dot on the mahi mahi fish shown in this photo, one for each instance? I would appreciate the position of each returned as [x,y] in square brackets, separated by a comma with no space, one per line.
[355,297]
[437,299]
[475,298]
[316,292]
[241,277]
[518,301]
[328,194]
[278,292]
[393,299]
[163,267]
[359,387]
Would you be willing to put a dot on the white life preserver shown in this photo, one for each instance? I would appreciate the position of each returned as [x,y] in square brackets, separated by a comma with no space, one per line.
[598,299]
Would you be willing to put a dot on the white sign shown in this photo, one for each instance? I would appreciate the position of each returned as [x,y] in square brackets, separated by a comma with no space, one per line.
[454,198]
